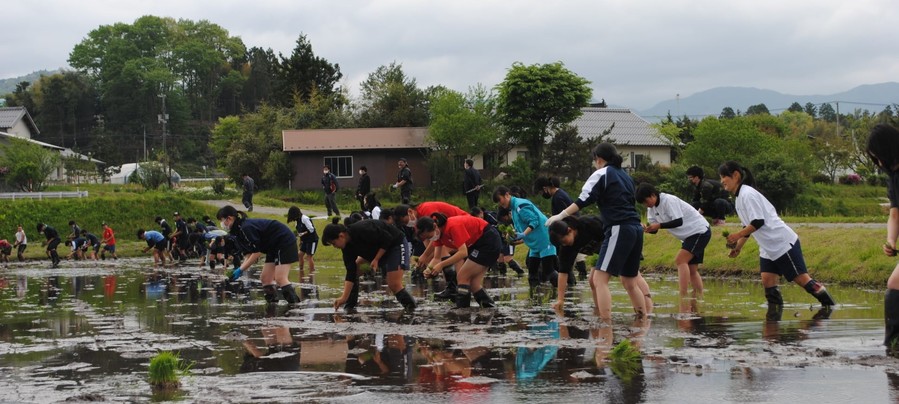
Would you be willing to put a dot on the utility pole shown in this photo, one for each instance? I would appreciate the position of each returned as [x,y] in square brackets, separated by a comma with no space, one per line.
[163,118]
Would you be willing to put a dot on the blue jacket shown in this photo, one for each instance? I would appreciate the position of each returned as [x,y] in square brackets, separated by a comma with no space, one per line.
[524,215]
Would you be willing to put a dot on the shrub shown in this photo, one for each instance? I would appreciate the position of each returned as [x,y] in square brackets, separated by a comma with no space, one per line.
[779,179]
[877,180]
[850,179]
[820,178]
[218,186]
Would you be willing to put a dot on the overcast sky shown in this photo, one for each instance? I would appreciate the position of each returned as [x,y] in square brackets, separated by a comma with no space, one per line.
[635,53]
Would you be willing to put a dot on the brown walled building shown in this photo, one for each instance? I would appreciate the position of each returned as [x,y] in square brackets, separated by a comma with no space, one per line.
[345,150]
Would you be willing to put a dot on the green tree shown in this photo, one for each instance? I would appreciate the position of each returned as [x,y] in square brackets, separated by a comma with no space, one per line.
[537,98]
[27,164]
[717,141]
[811,109]
[830,149]
[463,124]
[727,113]
[757,109]
[391,99]
[795,107]
[568,155]
[303,73]
[827,113]
[260,72]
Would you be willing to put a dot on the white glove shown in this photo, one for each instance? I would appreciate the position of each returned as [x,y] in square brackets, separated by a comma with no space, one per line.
[393,186]
[555,218]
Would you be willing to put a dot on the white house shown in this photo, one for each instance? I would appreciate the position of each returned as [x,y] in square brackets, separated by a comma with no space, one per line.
[16,122]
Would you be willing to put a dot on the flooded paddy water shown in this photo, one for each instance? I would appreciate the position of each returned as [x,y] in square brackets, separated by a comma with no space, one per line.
[86,332]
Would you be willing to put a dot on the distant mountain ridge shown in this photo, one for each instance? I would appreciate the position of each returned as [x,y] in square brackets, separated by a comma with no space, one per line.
[873,97]
[9,85]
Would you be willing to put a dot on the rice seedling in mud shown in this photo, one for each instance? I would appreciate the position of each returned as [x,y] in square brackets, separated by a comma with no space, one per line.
[626,360]
[166,368]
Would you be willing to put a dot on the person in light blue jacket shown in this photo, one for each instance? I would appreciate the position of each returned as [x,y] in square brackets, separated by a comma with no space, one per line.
[530,228]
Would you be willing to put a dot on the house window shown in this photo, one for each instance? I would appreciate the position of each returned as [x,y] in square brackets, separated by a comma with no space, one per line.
[637,160]
[521,154]
[341,166]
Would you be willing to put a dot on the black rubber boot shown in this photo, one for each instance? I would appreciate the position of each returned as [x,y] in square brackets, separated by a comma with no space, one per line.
[819,292]
[54,256]
[775,304]
[581,267]
[517,268]
[484,299]
[501,268]
[289,294]
[463,297]
[891,318]
[406,300]
[271,293]
[450,292]
[554,279]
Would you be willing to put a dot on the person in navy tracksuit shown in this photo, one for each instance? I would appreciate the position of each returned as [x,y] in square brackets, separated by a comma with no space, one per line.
[255,237]
[612,189]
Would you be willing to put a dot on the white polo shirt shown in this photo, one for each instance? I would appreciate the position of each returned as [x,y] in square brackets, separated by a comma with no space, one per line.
[775,238]
[671,208]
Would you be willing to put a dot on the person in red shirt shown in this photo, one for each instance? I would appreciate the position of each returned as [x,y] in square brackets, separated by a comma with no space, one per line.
[108,242]
[5,251]
[432,255]
[474,241]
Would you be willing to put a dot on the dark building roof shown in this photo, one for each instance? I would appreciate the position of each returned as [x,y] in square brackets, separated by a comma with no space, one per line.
[10,115]
[630,129]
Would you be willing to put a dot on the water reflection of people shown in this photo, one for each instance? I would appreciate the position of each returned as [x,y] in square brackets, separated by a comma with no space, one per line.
[447,368]
[281,352]
[21,286]
[530,361]
[382,355]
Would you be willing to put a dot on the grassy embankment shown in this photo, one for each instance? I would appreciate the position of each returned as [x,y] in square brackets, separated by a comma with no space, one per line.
[837,255]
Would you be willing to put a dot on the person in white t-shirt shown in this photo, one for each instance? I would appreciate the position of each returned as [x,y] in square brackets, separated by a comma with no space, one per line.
[779,249]
[21,243]
[666,211]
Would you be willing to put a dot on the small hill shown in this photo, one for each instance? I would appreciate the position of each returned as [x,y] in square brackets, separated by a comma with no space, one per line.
[9,85]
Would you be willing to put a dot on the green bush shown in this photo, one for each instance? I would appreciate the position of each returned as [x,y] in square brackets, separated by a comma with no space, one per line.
[218,186]
[779,179]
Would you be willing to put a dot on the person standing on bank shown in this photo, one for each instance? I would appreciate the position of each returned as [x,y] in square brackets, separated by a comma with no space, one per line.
[780,253]
[377,242]
[329,186]
[709,197]
[404,181]
[255,237]
[364,187]
[471,185]
[613,191]
[665,211]
[249,186]
[883,150]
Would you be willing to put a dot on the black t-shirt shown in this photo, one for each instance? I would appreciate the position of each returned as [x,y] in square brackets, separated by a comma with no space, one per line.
[588,240]
[262,235]
[366,238]
[893,189]
[405,174]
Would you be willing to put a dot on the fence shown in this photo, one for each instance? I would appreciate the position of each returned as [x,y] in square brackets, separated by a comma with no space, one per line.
[43,195]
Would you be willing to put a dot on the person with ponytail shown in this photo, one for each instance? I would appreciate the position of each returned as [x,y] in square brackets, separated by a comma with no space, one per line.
[612,189]
[473,240]
[780,253]
[883,150]
[377,242]
[372,206]
[529,223]
[254,237]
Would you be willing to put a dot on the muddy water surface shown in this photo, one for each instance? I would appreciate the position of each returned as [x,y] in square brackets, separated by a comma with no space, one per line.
[87,331]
